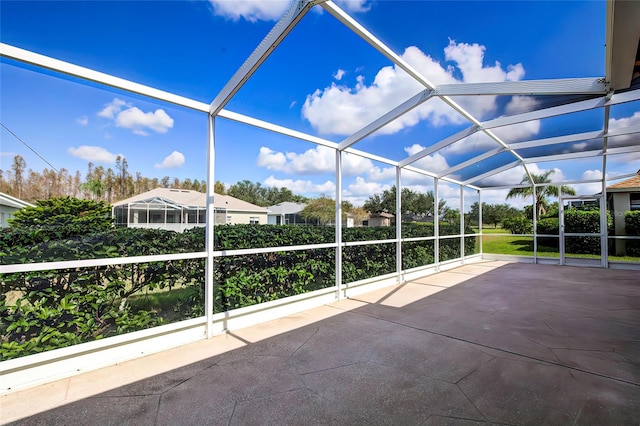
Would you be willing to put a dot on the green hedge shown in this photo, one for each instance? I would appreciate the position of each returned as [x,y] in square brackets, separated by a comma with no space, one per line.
[59,308]
[632,227]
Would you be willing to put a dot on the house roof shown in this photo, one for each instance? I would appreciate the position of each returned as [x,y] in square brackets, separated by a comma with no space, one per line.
[189,198]
[8,200]
[286,207]
[625,185]
[383,214]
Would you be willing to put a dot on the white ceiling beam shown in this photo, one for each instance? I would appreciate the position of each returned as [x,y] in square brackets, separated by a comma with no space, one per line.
[544,113]
[471,161]
[567,86]
[558,140]
[568,156]
[283,27]
[592,153]
[67,68]
[387,118]
[371,156]
[240,118]
[492,172]
[623,150]
[442,144]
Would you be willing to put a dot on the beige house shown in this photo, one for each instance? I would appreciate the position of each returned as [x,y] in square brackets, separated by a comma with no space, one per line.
[381,219]
[180,209]
[622,197]
[8,206]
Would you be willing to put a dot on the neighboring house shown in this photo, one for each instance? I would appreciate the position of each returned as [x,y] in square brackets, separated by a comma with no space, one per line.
[180,209]
[380,219]
[8,206]
[287,213]
[622,197]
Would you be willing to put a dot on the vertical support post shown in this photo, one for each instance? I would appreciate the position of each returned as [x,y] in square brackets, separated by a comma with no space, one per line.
[339,224]
[561,225]
[210,224]
[535,227]
[436,225]
[462,252]
[480,218]
[399,224]
[604,230]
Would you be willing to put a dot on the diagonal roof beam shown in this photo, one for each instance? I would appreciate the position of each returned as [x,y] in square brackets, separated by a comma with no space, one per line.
[278,33]
[616,99]
[68,68]
[240,118]
[567,86]
[363,33]
[567,156]
[492,172]
[471,161]
[387,118]
[577,137]
[443,143]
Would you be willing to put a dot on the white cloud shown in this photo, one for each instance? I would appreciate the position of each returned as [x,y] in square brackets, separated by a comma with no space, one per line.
[130,117]
[112,109]
[320,159]
[619,123]
[431,163]
[591,188]
[339,74]
[93,153]
[355,5]
[83,121]
[360,187]
[385,174]
[302,186]
[271,159]
[173,160]
[270,10]
[342,110]
[520,104]
[250,10]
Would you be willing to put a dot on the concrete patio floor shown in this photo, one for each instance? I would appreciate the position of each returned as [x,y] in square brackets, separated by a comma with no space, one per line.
[486,343]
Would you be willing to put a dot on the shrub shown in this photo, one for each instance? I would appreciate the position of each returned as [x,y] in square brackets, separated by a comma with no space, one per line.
[64,307]
[632,226]
[518,225]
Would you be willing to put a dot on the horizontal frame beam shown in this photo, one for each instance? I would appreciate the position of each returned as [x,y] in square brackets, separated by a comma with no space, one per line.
[70,69]
[568,86]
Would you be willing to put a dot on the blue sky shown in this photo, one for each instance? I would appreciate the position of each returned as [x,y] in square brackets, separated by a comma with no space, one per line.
[322,80]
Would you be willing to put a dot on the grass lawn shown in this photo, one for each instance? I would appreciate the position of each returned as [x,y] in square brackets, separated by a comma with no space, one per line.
[518,245]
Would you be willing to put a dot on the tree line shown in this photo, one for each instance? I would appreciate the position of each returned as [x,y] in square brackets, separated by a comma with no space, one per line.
[114,184]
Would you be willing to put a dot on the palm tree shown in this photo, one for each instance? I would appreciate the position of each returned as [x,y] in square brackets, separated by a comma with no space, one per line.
[542,192]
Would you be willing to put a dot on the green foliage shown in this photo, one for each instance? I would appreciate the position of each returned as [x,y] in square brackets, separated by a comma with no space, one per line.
[53,309]
[79,216]
[518,225]
[632,222]
[632,227]
[417,203]
[255,193]
[542,192]
[322,210]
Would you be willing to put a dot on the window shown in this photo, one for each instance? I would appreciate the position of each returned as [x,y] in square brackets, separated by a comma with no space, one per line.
[634,201]
[254,220]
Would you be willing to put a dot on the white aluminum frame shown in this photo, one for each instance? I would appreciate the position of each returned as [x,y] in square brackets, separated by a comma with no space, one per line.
[212,323]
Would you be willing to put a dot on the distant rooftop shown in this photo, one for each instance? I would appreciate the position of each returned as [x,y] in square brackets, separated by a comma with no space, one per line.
[190,198]
[633,182]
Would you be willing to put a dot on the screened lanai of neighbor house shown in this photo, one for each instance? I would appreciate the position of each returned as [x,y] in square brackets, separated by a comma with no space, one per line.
[432,150]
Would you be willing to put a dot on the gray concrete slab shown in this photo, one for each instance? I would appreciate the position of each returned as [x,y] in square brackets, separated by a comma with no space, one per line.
[508,344]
